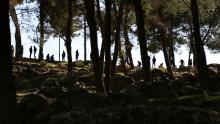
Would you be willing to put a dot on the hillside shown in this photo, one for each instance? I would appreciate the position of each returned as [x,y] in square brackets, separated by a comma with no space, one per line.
[46,96]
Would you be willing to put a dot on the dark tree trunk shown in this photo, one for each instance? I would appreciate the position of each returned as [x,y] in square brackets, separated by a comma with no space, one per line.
[101,25]
[19,48]
[139,13]
[171,53]
[42,18]
[171,45]
[7,86]
[90,16]
[163,41]
[189,56]
[192,44]
[118,16]
[128,47]
[128,44]
[200,53]
[108,45]
[85,54]
[68,37]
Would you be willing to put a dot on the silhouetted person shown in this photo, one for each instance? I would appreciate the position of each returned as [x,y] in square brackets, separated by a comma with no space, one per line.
[12,50]
[161,65]
[30,50]
[139,64]
[190,62]
[181,63]
[48,57]
[52,58]
[77,55]
[35,50]
[63,56]
[154,62]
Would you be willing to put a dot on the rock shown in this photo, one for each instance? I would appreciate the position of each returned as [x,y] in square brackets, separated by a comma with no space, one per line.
[185,69]
[160,74]
[188,76]
[120,83]
[162,89]
[30,106]
[189,90]
[136,74]
[212,71]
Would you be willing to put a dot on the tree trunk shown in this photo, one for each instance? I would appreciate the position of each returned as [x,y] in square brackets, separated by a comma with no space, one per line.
[128,44]
[171,53]
[108,45]
[101,25]
[200,53]
[171,45]
[189,56]
[163,41]
[90,17]
[42,18]
[68,37]
[192,44]
[118,16]
[7,86]
[128,47]
[18,53]
[85,54]
[139,13]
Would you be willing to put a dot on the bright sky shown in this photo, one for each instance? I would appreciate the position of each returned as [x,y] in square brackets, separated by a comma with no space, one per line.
[52,47]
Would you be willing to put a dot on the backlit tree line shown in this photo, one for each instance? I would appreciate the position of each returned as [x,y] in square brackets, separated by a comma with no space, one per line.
[159,25]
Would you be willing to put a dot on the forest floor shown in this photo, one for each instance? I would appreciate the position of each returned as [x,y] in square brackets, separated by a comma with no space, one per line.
[46,96]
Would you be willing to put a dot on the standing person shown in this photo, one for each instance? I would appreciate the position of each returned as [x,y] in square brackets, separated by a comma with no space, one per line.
[52,58]
[139,64]
[48,57]
[35,50]
[63,56]
[77,55]
[30,50]
[154,62]
[181,63]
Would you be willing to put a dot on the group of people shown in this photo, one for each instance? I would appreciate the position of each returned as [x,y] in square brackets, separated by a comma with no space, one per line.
[50,58]
[172,63]
[153,62]
[76,55]
[31,49]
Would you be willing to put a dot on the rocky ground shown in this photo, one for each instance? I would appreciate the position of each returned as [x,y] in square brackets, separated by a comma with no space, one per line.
[46,96]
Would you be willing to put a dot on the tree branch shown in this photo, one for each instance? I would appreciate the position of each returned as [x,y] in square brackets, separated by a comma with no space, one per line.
[185,3]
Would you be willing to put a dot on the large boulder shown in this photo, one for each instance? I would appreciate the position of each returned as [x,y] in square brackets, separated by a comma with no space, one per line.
[31,108]
[159,73]
[188,77]
[120,83]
